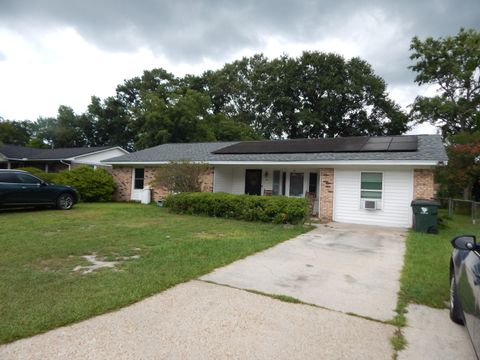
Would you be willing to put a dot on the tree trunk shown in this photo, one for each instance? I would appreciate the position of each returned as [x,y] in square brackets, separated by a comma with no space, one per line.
[467,193]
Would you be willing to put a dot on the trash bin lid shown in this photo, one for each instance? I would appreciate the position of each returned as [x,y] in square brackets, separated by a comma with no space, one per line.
[425,202]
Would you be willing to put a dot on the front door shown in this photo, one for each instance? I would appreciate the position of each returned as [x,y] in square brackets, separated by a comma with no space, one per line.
[253,182]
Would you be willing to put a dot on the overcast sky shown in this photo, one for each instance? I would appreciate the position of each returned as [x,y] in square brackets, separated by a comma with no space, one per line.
[56,52]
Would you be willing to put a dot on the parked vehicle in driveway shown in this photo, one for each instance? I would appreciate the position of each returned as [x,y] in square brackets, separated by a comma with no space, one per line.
[465,286]
[22,189]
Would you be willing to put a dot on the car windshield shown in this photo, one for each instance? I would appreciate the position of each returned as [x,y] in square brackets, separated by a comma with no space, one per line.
[8,177]
[28,179]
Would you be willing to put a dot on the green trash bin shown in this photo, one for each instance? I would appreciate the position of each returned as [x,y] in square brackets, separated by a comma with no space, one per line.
[425,216]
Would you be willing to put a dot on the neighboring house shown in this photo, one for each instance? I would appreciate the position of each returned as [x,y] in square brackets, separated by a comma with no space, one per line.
[365,180]
[54,160]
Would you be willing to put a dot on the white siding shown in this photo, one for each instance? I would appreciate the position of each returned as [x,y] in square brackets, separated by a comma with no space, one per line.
[96,158]
[397,195]
[222,180]
[238,180]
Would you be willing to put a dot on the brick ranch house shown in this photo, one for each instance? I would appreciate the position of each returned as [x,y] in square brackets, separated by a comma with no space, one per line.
[365,180]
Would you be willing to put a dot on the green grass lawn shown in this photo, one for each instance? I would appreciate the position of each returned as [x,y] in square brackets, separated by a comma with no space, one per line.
[425,276]
[39,249]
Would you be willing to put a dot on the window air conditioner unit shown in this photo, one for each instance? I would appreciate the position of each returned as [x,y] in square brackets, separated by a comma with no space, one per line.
[370,205]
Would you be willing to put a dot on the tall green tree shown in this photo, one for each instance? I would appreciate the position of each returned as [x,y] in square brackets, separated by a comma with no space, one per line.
[162,108]
[314,95]
[109,122]
[461,177]
[14,132]
[452,64]
[66,130]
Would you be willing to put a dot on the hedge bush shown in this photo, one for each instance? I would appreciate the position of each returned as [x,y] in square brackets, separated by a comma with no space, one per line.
[276,209]
[93,185]
[48,177]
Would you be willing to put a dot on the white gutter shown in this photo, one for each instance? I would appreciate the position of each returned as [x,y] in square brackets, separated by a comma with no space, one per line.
[64,163]
[90,163]
[70,158]
[289,163]
[97,152]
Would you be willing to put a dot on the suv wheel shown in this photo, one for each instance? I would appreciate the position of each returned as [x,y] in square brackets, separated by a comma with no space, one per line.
[65,201]
[455,309]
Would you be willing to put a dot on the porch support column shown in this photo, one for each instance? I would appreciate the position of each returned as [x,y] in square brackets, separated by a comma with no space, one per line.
[9,165]
[326,195]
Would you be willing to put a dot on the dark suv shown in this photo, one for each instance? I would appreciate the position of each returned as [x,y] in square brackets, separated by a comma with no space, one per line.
[465,286]
[22,189]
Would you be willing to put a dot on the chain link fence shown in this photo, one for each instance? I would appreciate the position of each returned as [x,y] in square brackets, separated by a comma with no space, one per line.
[463,207]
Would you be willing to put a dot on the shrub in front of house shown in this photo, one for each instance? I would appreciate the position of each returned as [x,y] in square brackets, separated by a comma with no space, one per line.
[93,185]
[48,177]
[276,209]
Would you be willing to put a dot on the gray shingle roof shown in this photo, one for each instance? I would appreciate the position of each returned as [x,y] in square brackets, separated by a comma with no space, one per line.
[22,152]
[430,147]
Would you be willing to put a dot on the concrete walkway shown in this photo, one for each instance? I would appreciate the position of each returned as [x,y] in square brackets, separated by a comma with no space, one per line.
[348,268]
[197,320]
[432,335]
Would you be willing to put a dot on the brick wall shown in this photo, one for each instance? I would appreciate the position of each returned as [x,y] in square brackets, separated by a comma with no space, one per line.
[207,181]
[123,179]
[158,192]
[423,184]
[326,195]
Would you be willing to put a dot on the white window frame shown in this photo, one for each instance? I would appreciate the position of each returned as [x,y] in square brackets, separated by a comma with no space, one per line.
[305,183]
[134,179]
[382,191]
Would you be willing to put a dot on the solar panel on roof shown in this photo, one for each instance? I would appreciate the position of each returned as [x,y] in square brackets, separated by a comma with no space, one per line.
[379,146]
[405,138]
[350,144]
[403,146]
[380,139]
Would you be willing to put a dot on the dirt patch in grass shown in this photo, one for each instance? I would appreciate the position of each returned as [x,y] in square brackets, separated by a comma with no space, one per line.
[208,235]
[59,264]
[97,263]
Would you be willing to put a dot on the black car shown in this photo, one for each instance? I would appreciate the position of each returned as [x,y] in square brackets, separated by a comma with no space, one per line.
[465,286]
[22,189]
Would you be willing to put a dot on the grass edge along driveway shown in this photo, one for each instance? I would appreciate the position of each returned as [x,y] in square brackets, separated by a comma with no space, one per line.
[425,275]
[39,250]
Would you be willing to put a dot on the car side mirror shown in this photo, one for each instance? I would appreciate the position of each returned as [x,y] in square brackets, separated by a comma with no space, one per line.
[465,242]
[43,183]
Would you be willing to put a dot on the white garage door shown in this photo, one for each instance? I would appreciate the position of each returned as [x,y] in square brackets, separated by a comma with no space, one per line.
[396,196]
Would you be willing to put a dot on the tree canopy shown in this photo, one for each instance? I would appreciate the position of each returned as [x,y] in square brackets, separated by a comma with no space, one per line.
[314,95]
[461,178]
[14,132]
[453,65]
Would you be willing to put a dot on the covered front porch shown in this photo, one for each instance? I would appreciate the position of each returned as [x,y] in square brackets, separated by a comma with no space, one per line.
[267,180]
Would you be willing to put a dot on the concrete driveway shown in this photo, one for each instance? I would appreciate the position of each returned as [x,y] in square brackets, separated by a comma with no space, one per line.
[197,320]
[344,267]
[348,268]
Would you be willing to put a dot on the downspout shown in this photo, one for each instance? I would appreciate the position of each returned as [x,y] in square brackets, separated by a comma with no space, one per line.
[69,165]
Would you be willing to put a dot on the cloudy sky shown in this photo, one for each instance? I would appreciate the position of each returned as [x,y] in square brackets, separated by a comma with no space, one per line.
[56,52]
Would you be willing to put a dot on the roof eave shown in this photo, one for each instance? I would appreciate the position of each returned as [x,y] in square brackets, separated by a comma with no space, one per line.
[97,152]
[308,163]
